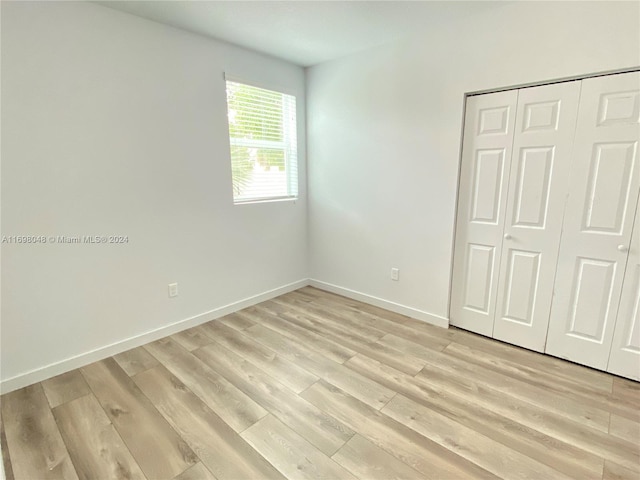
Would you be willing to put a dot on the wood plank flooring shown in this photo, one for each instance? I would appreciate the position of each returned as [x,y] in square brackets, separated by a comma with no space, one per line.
[311,385]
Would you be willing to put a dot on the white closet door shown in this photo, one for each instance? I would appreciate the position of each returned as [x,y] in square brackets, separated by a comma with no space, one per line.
[486,156]
[542,146]
[598,220]
[625,351]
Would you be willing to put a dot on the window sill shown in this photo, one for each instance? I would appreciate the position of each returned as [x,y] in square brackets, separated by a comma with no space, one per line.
[266,200]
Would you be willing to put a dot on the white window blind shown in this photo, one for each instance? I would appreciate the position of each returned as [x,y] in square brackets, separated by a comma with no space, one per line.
[262,135]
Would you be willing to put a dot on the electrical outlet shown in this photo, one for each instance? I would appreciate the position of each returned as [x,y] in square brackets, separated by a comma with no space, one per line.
[173,290]
[395,274]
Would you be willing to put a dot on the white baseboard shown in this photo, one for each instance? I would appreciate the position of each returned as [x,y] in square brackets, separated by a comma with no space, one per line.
[382,303]
[83,359]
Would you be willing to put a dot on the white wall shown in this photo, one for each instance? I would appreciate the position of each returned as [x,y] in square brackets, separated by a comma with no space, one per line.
[112,124]
[384,132]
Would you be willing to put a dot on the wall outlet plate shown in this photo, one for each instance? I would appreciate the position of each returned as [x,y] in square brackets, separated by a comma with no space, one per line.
[395,274]
[173,290]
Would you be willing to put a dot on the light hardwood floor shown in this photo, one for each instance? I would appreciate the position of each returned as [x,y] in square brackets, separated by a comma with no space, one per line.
[312,385]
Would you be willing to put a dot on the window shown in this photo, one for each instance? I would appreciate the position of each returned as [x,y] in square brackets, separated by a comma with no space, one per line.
[262,135]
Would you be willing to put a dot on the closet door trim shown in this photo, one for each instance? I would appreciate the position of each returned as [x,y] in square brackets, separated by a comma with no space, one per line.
[572,78]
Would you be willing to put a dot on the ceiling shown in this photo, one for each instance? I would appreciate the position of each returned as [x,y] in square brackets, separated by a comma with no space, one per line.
[305,32]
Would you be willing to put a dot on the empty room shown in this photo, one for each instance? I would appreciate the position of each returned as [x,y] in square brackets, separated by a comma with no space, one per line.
[247,240]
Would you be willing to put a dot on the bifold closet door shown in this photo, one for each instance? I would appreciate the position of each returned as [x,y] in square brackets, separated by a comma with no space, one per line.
[484,171]
[540,164]
[625,351]
[598,220]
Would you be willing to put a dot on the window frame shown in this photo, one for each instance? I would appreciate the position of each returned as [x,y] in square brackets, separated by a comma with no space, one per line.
[288,145]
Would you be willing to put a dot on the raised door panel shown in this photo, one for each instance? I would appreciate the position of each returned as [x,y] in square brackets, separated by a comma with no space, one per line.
[477,288]
[625,350]
[533,186]
[609,187]
[597,226]
[485,168]
[488,169]
[591,298]
[543,142]
[521,283]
